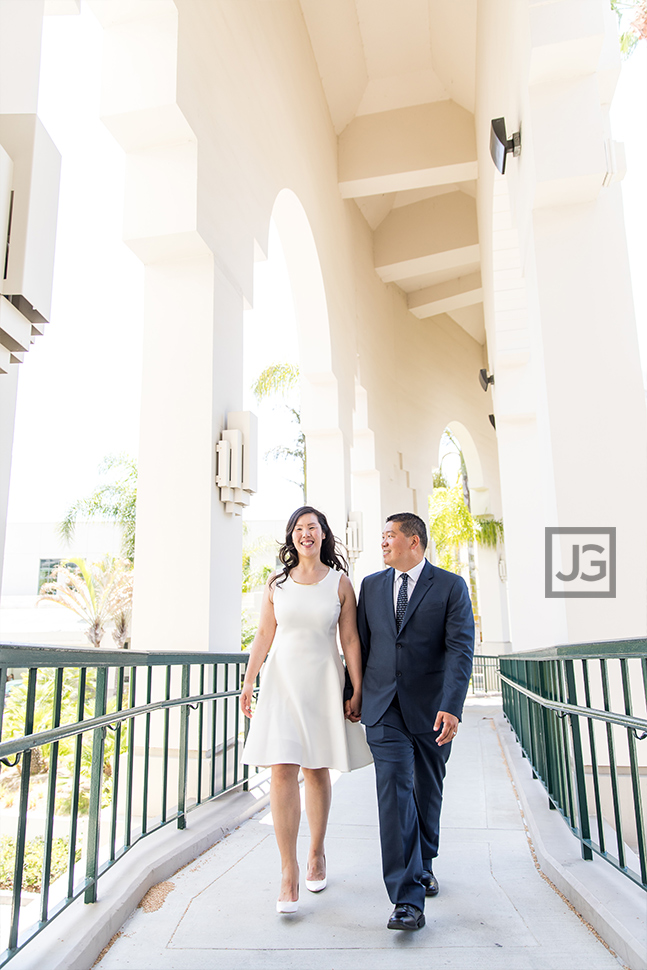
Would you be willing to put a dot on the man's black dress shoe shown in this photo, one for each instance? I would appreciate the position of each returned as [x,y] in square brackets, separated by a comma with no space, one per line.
[430,883]
[406,916]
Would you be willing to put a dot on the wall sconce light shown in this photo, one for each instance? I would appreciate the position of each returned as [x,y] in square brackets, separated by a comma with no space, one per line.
[354,536]
[484,380]
[492,421]
[236,461]
[501,145]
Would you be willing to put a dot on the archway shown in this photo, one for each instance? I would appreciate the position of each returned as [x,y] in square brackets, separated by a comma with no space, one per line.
[328,473]
[485,571]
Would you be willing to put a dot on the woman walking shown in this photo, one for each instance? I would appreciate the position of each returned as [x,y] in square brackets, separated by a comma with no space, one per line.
[301,720]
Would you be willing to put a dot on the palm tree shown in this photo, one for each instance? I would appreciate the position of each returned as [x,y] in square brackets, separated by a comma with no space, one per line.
[637,29]
[97,593]
[452,525]
[282,380]
[115,499]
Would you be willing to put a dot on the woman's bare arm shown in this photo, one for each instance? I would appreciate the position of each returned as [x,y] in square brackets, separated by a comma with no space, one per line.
[350,645]
[260,646]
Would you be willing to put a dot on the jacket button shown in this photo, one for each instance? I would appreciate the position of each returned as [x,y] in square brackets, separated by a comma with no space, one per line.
[398,673]
[399,646]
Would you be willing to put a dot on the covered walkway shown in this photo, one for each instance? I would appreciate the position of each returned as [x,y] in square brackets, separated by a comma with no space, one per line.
[494,910]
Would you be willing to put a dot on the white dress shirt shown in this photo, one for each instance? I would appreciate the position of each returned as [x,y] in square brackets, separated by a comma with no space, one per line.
[414,576]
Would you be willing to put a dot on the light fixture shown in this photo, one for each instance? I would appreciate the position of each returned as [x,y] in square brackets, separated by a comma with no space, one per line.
[484,379]
[501,145]
[236,461]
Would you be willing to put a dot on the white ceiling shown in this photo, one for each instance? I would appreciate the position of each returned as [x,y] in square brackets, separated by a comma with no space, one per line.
[382,55]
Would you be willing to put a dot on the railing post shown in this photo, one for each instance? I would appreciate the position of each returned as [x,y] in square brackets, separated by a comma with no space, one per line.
[635,774]
[580,778]
[184,750]
[96,785]
[25,773]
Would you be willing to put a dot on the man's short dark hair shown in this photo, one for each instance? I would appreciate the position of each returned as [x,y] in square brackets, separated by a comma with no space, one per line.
[411,525]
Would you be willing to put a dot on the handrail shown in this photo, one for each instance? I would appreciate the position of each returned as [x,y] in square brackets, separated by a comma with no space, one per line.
[596,650]
[35,655]
[634,723]
[107,720]
[175,742]
[572,743]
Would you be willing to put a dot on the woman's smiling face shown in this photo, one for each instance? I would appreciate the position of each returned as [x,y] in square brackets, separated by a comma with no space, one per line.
[307,536]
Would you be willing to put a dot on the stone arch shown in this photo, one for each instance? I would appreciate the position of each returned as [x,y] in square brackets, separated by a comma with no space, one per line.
[328,478]
[479,492]
[185,396]
[365,486]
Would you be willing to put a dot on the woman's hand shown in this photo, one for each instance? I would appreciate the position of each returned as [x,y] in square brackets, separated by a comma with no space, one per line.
[246,694]
[353,707]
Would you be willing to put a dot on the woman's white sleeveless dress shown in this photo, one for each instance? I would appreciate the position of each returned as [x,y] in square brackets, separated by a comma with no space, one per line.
[299,716]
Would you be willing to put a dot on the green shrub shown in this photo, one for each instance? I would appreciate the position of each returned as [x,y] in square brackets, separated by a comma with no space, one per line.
[13,726]
[33,866]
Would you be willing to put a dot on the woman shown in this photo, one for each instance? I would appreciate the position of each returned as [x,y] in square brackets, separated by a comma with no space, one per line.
[299,718]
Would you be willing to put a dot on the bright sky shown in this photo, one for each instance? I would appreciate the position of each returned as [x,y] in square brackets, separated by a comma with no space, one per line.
[79,386]
[629,125]
[270,337]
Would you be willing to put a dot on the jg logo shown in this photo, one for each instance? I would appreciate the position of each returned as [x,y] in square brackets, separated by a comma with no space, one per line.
[580,563]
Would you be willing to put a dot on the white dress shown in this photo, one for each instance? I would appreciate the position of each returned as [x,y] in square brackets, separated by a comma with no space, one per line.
[299,716]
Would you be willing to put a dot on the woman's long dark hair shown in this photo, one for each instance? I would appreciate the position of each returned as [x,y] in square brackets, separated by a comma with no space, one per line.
[330,553]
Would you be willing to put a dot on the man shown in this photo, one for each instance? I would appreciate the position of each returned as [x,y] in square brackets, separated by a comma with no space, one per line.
[417,631]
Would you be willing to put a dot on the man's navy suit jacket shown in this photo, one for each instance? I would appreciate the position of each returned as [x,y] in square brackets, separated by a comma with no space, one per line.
[429,662]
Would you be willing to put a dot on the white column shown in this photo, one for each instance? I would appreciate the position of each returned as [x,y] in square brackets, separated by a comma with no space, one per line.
[187,548]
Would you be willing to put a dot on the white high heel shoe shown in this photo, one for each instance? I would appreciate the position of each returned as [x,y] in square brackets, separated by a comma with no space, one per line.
[287,905]
[316,885]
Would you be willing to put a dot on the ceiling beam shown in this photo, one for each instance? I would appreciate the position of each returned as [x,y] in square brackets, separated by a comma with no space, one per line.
[433,235]
[407,148]
[444,297]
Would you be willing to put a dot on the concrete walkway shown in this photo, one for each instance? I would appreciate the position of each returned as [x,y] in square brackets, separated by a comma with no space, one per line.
[494,910]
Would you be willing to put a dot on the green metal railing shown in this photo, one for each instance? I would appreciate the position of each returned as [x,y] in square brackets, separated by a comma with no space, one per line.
[579,713]
[485,675]
[125,742]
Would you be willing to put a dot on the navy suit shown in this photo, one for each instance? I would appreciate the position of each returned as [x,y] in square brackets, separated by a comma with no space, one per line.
[408,677]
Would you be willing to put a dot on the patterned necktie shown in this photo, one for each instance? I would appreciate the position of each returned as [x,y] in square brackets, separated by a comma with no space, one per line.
[403,599]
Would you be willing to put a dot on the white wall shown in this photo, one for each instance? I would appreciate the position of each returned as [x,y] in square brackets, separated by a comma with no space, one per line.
[562,341]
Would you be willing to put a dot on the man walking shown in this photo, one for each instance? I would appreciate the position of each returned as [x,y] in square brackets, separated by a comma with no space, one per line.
[417,631]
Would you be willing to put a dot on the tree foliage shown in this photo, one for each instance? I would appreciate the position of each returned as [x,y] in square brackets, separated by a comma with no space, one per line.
[637,29]
[13,726]
[114,499]
[282,380]
[97,593]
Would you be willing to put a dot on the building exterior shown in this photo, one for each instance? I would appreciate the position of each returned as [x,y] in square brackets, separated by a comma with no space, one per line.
[362,128]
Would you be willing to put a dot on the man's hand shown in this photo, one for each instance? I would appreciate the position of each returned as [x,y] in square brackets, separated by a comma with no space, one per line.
[353,707]
[449,725]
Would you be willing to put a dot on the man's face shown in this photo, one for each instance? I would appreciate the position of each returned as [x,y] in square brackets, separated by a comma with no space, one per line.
[400,551]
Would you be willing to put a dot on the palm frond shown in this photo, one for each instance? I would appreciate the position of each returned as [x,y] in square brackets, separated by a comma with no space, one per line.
[277,379]
[115,500]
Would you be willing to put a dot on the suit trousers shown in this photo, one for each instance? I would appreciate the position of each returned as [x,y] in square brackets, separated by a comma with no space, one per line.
[409,772]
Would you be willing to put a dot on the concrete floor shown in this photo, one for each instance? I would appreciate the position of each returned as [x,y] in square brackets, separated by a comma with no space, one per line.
[494,910]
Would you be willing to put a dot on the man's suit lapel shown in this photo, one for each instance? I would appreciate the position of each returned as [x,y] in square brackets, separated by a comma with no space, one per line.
[422,587]
[386,594]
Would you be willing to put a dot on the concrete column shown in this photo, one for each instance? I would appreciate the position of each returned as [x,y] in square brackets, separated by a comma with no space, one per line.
[8,392]
[568,397]
[493,602]
[187,549]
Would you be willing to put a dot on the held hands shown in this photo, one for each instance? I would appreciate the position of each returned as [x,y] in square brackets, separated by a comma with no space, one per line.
[353,707]
[449,725]
[246,699]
